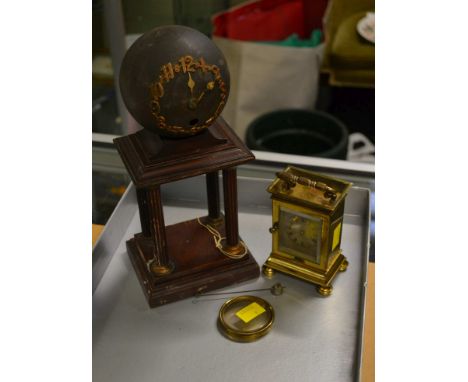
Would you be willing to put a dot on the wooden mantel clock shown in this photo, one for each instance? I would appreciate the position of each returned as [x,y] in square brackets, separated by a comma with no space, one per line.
[175,83]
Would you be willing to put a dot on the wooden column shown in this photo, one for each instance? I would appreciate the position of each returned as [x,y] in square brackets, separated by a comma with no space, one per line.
[160,264]
[143,209]
[230,206]
[212,189]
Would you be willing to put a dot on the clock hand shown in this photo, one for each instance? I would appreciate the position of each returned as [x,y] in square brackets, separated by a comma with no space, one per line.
[190,83]
[193,102]
[199,98]
[209,87]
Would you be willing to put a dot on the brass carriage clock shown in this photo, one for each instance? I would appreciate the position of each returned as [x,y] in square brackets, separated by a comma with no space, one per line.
[307,226]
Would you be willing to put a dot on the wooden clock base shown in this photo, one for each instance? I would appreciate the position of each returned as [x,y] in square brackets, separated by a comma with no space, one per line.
[186,260]
[198,265]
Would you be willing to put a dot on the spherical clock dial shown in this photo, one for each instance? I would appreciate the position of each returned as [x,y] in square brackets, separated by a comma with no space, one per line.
[174,81]
[201,92]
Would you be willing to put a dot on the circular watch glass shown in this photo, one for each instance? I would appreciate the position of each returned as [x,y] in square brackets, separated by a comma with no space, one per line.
[245,318]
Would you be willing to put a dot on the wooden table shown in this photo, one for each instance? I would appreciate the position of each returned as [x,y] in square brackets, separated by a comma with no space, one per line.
[368,362]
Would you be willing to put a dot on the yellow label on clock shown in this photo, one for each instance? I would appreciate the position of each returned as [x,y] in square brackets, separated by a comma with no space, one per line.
[249,312]
[336,236]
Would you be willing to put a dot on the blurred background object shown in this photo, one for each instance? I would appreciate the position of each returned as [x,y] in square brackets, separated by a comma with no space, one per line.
[347,75]
[262,20]
[310,133]
[274,56]
[108,188]
[349,58]
[266,78]
[198,14]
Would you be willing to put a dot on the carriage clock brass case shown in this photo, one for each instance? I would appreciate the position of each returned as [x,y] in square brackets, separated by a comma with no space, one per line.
[307,227]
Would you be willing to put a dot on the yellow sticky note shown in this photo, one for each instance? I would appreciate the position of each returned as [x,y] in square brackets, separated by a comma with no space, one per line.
[249,312]
[336,236]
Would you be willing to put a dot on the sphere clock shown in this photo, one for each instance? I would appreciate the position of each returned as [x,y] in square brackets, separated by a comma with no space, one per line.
[175,82]
[174,89]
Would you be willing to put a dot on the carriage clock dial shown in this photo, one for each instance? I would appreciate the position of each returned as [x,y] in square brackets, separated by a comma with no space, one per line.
[299,231]
[300,234]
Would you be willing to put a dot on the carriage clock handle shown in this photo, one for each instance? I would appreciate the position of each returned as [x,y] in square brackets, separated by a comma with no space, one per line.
[291,181]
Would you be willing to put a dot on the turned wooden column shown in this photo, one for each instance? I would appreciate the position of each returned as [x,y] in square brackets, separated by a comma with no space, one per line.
[143,209]
[160,265]
[212,189]
[230,208]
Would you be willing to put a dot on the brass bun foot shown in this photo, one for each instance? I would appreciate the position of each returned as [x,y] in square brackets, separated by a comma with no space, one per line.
[268,272]
[161,270]
[236,251]
[324,290]
[344,266]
